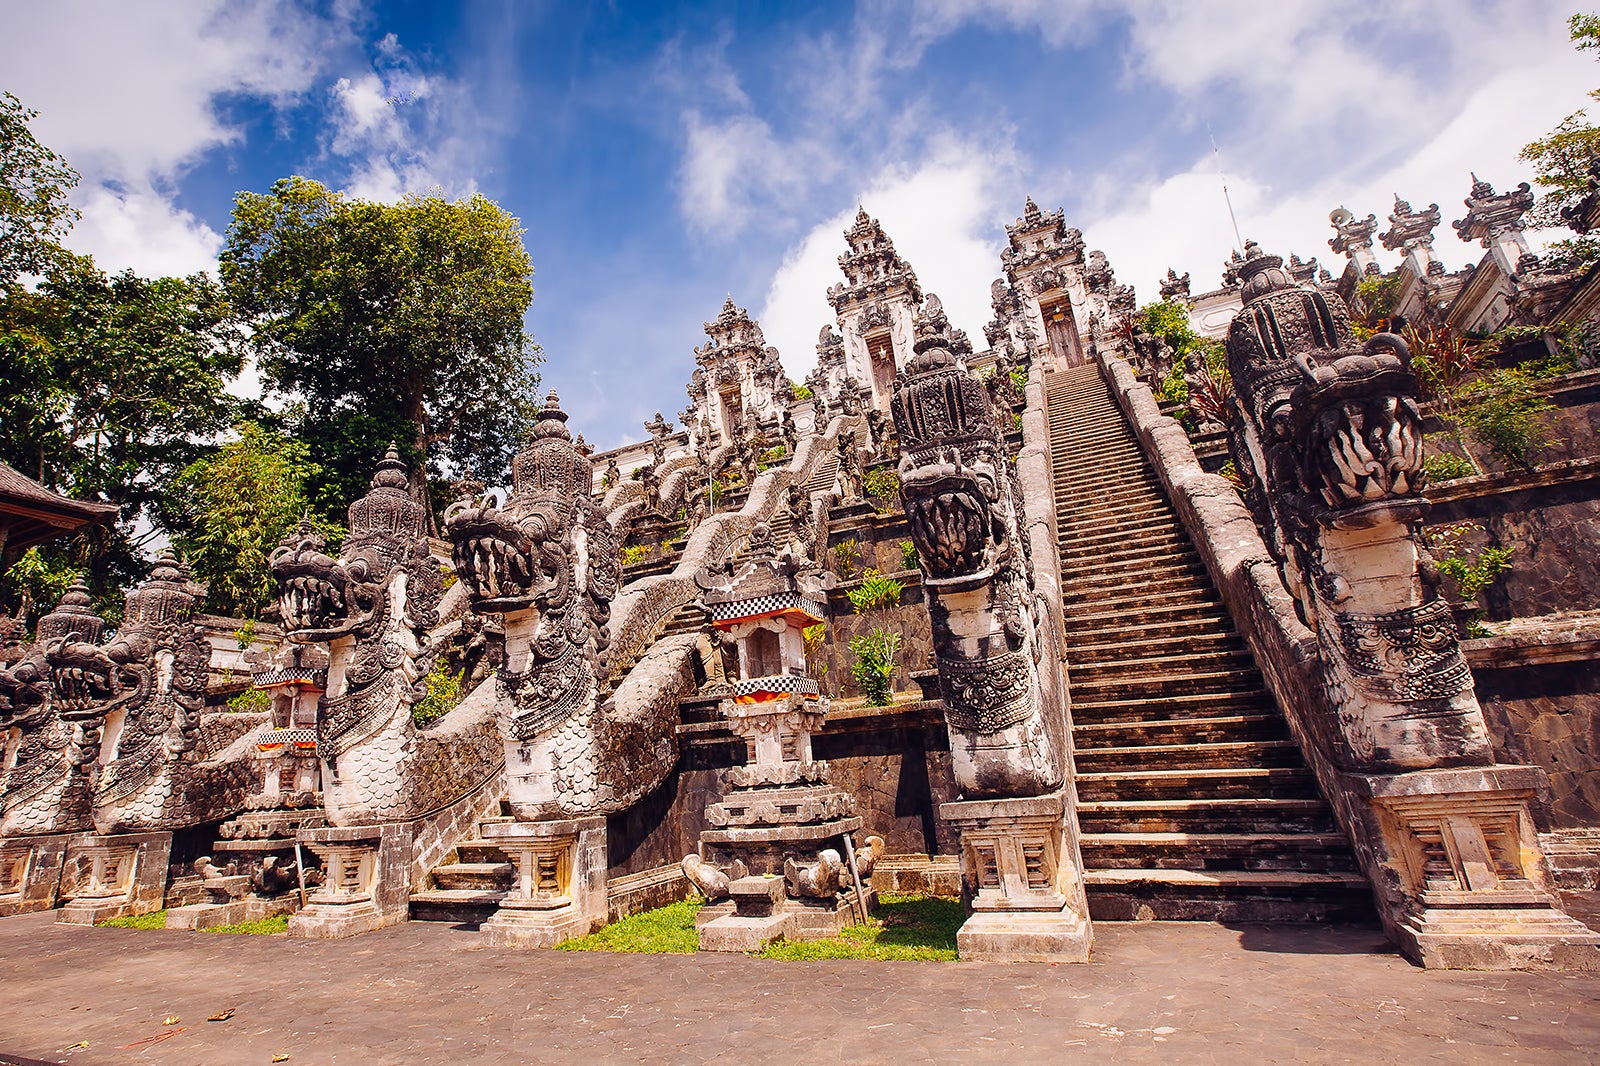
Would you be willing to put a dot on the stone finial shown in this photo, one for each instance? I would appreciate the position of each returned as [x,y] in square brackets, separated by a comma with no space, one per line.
[1495,221]
[1175,287]
[1408,229]
[1352,235]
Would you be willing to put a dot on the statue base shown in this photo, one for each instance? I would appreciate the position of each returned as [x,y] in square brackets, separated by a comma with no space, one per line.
[248,909]
[30,872]
[1474,890]
[1020,879]
[366,880]
[560,891]
[114,876]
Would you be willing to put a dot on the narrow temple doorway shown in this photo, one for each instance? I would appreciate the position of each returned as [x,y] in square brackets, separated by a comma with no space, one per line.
[1061,332]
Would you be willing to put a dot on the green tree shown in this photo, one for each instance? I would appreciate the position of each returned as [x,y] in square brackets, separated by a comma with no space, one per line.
[109,387]
[1567,159]
[34,181]
[408,313]
[229,509]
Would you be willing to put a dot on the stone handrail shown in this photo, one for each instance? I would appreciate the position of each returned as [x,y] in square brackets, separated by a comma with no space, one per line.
[644,606]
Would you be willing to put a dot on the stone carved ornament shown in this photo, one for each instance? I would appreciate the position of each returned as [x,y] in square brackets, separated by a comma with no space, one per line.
[1327,434]
[47,788]
[372,608]
[548,561]
[962,506]
[155,672]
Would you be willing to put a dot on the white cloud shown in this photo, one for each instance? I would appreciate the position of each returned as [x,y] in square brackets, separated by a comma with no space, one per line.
[139,229]
[942,216]
[1181,221]
[128,93]
[732,167]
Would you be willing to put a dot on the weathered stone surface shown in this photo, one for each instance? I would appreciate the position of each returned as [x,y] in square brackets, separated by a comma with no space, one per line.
[114,876]
[30,872]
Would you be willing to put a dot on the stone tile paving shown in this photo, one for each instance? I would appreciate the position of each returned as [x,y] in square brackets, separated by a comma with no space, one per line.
[430,993]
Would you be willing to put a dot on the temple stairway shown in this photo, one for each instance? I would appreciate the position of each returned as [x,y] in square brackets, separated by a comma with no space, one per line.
[469,885]
[1194,801]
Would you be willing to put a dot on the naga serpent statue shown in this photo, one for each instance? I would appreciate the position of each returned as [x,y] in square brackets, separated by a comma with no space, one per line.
[146,690]
[547,559]
[372,608]
[48,787]
[1327,435]
[989,629]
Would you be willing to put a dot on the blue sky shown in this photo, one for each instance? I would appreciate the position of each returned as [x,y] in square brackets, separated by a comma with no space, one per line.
[662,157]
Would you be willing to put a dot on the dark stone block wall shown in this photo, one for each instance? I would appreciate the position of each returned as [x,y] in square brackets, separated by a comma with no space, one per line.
[895,761]
[1548,715]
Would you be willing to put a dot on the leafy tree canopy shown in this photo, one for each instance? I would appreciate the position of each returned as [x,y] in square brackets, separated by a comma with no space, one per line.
[1567,160]
[110,385]
[34,213]
[230,509]
[389,316]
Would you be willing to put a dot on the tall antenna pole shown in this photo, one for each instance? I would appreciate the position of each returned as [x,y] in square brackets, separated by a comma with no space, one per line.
[1217,156]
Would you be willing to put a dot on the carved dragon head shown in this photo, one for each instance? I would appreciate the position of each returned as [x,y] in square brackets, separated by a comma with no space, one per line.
[1336,420]
[952,467]
[523,553]
[322,598]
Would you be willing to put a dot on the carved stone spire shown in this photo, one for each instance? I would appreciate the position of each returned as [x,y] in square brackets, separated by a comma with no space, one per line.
[1495,220]
[1353,238]
[1412,232]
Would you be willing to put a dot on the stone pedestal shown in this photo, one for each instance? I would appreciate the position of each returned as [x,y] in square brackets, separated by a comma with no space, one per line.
[560,891]
[366,886]
[1475,893]
[30,872]
[758,917]
[1019,880]
[114,876]
[246,844]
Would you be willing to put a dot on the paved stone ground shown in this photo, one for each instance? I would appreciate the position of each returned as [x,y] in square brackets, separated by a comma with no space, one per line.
[428,993]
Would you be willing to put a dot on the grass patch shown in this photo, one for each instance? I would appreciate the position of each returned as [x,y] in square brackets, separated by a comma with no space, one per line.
[152,920]
[666,930]
[921,928]
[261,927]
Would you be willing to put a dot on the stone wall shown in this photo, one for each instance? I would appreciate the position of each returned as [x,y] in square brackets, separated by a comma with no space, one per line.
[1548,715]
[894,760]
[1550,518]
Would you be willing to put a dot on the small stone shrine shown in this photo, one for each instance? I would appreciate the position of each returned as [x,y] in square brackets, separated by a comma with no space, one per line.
[779,862]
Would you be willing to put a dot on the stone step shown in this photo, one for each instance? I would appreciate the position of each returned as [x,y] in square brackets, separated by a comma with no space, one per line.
[1159,686]
[1139,516]
[1190,755]
[1104,617]
[1087,630]
[1149,537]
[1107,494]
[1133,666]
[1110,583]
[474,876]
[1225,729]
[1228,896]
[1124,555]
[1134,602]
[1283,782]
[1241,814]
[479,851]
[1202,705]
[461,906]
[1158,647]
[1322,852]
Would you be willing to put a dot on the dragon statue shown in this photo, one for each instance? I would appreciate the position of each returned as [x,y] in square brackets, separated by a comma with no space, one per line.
[1328,437]
[372,609]
[962,504]
[146,690]
[547,560]
[48,786]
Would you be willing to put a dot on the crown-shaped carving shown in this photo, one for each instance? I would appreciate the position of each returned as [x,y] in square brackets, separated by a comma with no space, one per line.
[1280,321]
[551,465]
[73,618]
[937,402]
[165,598]
[388,510]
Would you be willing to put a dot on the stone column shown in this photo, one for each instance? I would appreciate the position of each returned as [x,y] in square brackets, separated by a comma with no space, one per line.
[561,882]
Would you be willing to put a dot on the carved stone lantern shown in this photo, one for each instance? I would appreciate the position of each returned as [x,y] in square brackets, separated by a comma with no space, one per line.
[768,849]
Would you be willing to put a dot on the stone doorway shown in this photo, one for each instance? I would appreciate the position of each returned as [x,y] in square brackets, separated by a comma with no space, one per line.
[1061,333]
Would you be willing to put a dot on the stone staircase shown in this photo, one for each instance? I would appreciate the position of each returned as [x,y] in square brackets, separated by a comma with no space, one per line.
[469,885]
[1194,801]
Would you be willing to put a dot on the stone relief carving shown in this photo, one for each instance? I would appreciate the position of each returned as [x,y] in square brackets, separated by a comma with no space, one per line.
[548,561]
[47,788]
[1329,437]
[962,506]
